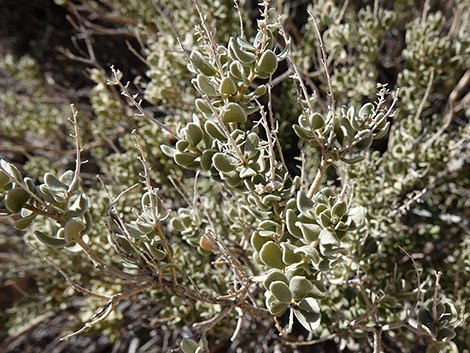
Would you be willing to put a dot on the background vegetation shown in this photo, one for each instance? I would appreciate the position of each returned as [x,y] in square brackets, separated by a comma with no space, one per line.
[275,177]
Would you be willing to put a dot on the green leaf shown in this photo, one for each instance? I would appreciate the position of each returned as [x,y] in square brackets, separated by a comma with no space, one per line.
[24,222]
[289,257]
[327,237]
[274,306]
[15,199]
[201,63]
[274,275]
[79,207]
[267,64]
[228,86]
[357,215]
[168,151]
[317,121]
[339,209]
[308,314]
[366,110]
[10,169]
[281,291]
[445,334]
[234,113]
[310,232]
[184,159]
[224,163]
[304,204]
[53,183]
[206,159]
[188,345]
[73,229]
[271,255]
[291,219]
[214,131]
[205,85]
[4,180]
[194,133]
[50,241]
[245,57]
[203,106]
[300,287]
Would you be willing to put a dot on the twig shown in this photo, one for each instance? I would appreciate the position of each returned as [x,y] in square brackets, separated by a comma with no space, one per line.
[327,74]
[107,309]
[324,165]
[418,276]
[435,298]
[78,151]
[74,285]
[137,104]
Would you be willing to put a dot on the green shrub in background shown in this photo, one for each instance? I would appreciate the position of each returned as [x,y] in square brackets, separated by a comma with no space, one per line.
[305,170]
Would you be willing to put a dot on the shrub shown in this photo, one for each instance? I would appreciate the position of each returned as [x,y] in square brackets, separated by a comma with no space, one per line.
[303,172]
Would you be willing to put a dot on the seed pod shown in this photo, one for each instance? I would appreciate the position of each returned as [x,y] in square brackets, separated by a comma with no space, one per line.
[271,255]
[234,113]
[214,131]
[228,86]
[201,63]
[267,64]
[207,243]
[281,291]
[15,199]
[50,241]
[194,133]
[224,163]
